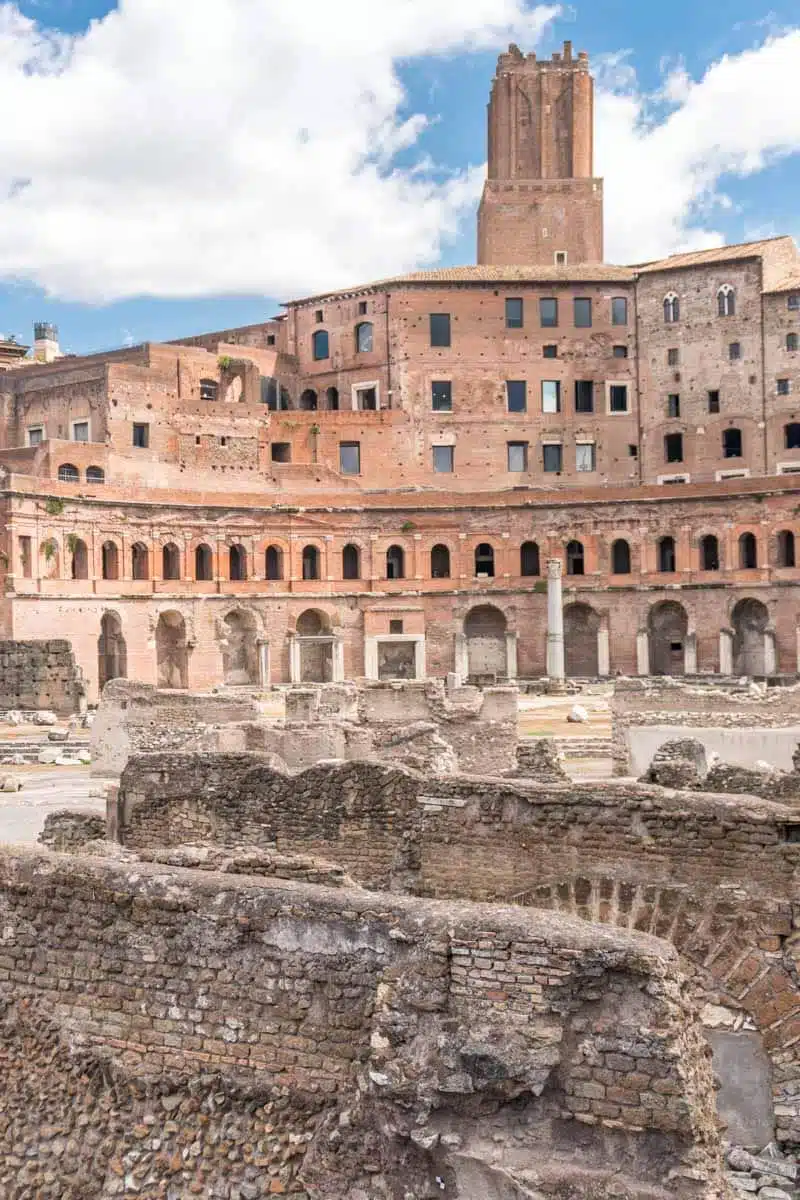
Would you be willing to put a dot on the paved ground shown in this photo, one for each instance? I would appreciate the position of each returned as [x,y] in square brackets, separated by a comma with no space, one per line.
[45,790]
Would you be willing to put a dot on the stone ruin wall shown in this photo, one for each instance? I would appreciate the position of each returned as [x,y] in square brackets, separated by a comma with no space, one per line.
[714,875]
[167,1032]
[40,675]
[741,722]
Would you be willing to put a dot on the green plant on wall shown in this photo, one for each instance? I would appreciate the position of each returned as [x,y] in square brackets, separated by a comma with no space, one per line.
[72,542]
[49,549]
[54,507]
[407,527]
[314,430]
[540,585]
[224,362]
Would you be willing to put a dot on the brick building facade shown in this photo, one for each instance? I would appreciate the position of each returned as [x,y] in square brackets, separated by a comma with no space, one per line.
[373,481]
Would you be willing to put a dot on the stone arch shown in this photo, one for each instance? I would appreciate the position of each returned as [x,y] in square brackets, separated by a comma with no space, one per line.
[485,628]
[313,633]
[312,622]
[172,654]
[351,561]
[237,562]
[203,562]
[311,562]
[170,561]
[718,945]
[112,651]
[239,629]
[581,626]
[140,561]
[79,566]
[308,400]
[440,561]
[668,630]
[749,619]
[273,562]
[109,555]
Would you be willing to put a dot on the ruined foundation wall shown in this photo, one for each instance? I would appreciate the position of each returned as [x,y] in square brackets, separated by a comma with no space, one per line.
[40,675]
[167,1032]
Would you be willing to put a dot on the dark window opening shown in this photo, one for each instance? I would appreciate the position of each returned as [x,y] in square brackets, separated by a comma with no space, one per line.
[620,351]
[440,329]
[550,351]
[237,562]
[141,435]
[514,314]
[80,559]
[748,552]
[95,475]
[395,625]
[318,316]
[673,447]
[726,302]
[735,351]
[619,311]
[350,458]
[203,562]
[170,561]
[548,313]
[320,345]
[364,337]
[351,562]
[732,443]
[310,562]
[308,400]
[784,387]
[395,563]
[529,563]
[793,301]
[673,405]
[666,555]
[517,395]
[209,389]
[552,456]
[575,558]
[332,397]
[633,450]
[26,556]
[367,399]
[583,313]
[709,553]
[281,452]
[673,356]
[273,563]
[442,395]
[67,473]
[621,557]
[672,309]
[140,561]
[440,562]
[713,401]
[584,396]
[484,559]
[791,341]
[786,548]
[362,307]
[443,459]
[618,398]
[791,434]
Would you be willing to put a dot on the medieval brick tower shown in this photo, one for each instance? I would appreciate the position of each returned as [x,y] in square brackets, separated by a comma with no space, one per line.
[540,203]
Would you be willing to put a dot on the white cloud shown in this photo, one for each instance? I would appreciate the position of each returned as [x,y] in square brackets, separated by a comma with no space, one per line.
[663,170]
[180,149]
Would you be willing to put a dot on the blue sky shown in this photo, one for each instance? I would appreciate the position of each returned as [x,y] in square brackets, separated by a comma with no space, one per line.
[450,88]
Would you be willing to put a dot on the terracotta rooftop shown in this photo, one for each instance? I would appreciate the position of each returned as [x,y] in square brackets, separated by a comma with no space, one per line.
[779,255]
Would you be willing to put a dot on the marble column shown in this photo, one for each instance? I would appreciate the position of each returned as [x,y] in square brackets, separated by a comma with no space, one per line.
[511,656]
[770,652]
[642,652]
[725,652]
[690,654]
[263,663]
[555,621]
[462,657]
[294,659]
[338,660]
[603,652]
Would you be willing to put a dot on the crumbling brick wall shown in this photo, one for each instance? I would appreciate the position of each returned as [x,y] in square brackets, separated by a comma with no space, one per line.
[180,1031]
[40,675]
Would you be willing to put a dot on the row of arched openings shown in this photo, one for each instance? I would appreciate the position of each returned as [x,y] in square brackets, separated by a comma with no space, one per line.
[69,473]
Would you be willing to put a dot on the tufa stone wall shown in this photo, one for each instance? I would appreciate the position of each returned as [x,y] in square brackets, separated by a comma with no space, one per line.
[171,1033]
[38,675]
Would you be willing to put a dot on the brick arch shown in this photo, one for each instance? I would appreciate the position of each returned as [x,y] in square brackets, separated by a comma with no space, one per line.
[720,938]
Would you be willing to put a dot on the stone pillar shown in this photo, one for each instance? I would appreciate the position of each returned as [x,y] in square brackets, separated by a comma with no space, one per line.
[511,655]
[603,651]
[419,658]
[725,652]
[642,652]
[338,660]
[370,657]
[263,663]
[690,655]
[462,657]
[294,659]
[555,621]
[770,652]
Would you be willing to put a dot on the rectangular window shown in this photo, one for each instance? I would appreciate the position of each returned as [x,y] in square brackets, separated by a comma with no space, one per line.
[270,339]
[550,351]
[514,314]
[619,310]
[713,402]
[793,302]
[673,356]
[561,258]
[583,313]
[517,395]
[25,557]
[80,431]
[362,308]
[551,396]
[318,316]
[440,329]
[673,447]
[442,395]
[620,352]
[395,626]
[618,398]
[366,399]
[633,450]
[141,435]
[734,351]
[443,459]
[585,456]
[281,452]
[784,387]
[584,396]
[350,458]
[551,457]
[548,313]
[35,435]
[673,405]
[517,456]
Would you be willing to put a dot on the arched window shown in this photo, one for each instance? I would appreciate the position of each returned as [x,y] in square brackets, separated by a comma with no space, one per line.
[170,561]
[791,436]
[351,562]
[203,562]
[68,473]
[786,553]
[575,560]
[110,560]
[320,345]
[529,559]
[308,400]
[726,301]
[620,557]
[80,558]
[731,443]
[237,562]
[748,552]
[484,559]
[792,341]
[364,337]
[709,553]
[140,561]
[95,475]
[666,554]
[273,563]
[395,563]
[332,395]
[440,562]
[310,562]
[672,308]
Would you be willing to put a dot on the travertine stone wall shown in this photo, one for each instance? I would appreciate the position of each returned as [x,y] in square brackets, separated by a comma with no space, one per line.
[171,1033]
[38,675]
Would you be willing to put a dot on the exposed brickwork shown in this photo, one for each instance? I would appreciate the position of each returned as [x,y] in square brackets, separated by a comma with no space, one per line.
[40,675]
